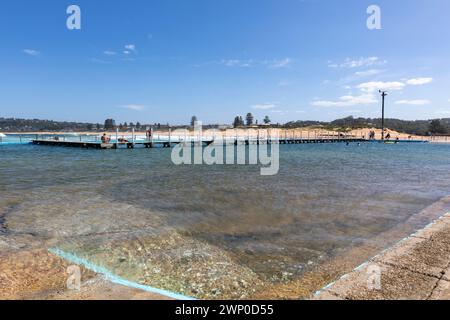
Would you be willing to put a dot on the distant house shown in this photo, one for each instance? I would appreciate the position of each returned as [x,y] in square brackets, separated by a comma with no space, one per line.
[224,126]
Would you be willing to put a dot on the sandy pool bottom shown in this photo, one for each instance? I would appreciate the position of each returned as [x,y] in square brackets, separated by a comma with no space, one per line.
[171,261]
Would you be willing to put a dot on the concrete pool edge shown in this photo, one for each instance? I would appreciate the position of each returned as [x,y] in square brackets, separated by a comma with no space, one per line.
[305,287]
[109,276]
[409,251]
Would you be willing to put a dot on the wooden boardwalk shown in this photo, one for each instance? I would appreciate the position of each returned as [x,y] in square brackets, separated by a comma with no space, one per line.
[168,144]
[99,145]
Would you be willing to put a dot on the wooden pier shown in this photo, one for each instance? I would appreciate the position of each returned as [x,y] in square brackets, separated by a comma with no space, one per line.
[168,144]
[99,145]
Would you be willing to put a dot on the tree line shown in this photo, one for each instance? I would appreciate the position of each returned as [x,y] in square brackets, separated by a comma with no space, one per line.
[416,127]
[249,121]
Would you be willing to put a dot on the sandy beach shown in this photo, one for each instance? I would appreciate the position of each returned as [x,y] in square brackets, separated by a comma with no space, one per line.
[305,133]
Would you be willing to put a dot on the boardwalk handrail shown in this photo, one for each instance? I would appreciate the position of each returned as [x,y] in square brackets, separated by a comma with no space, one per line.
[248,135]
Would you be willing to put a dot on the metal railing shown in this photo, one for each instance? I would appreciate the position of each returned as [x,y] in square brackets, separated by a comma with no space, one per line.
[190,136]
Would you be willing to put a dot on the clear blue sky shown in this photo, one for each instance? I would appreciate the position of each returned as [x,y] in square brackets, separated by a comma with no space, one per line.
[166,60]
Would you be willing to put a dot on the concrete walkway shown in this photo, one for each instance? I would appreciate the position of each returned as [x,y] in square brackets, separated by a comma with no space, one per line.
[417,268]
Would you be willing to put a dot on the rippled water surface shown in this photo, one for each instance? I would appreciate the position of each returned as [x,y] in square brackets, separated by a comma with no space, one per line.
[214,231]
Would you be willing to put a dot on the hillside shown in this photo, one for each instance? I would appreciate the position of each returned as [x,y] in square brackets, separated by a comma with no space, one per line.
[36,125]
[416,127]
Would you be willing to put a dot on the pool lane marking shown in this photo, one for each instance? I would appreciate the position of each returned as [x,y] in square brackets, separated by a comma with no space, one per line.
[114,278]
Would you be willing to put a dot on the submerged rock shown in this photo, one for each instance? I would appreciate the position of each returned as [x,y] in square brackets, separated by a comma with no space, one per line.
[177,263]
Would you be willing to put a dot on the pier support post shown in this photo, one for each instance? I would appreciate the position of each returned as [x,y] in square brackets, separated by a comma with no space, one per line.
[383,96]
[170,137]
[117,138]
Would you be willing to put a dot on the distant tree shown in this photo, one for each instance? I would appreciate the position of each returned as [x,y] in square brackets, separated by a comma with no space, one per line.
[125,125]
[90,126]
[436,127]
[131,125]
[249,119]
[120,126]
[238,122]
[138,125]
[267,120]
[110,124]
[416,127]
[193,120]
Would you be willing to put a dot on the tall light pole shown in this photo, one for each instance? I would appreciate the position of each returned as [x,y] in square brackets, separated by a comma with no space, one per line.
[383,96]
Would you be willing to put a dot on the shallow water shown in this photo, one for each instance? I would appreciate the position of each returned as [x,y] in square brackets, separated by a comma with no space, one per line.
[211,231]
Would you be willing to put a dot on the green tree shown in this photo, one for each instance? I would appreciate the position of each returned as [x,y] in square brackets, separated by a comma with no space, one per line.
[249,119]
[193,120]
[267,120]
[238,121]
[110,124]
[436,127]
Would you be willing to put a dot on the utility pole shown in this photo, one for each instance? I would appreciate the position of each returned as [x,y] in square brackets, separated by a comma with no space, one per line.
[383,96]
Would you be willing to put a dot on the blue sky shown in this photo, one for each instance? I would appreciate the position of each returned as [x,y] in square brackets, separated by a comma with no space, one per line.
[166,60]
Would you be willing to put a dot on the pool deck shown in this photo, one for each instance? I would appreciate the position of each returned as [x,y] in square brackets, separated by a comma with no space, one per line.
[417,268]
